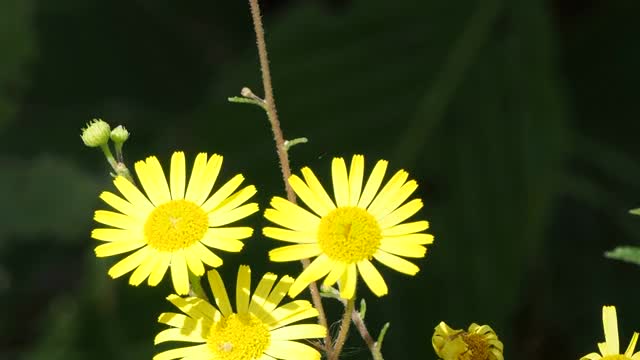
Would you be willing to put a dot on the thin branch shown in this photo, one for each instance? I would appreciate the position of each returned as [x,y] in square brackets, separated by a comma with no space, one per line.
[283,156]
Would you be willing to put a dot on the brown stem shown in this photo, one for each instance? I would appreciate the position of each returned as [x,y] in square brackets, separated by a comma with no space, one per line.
[344,329]
[283,156]
[362,329]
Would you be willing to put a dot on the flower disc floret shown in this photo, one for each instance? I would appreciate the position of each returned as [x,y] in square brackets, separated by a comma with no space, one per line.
[349,234]
[238,337]
[175,225]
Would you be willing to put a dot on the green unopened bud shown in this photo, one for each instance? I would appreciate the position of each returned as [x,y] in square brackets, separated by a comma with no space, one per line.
[119,134]
[96,133]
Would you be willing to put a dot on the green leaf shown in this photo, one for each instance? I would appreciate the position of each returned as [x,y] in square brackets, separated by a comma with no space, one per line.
[635,211]
[625,253]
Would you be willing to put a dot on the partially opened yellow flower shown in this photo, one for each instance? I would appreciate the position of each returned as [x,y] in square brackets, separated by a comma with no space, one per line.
[258,329]
[345,235]
[170,226]
[610,348]
[480,342]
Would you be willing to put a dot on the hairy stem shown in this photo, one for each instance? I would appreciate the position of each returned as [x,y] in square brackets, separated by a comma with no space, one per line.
[362,329]
[344,329]
[283,156]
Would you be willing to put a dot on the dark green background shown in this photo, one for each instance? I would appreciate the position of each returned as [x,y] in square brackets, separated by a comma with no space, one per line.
[517,118]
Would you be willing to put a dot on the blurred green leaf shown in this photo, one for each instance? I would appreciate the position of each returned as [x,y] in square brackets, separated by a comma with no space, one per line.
[625,253]
[635,211]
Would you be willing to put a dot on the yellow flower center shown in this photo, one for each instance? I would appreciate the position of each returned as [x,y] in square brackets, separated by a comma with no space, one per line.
[616,357]
[349,234]
[478,349]
[238,337]
[175,225]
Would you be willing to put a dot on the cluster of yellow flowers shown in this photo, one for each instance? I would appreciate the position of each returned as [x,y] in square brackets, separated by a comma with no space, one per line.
[174,225]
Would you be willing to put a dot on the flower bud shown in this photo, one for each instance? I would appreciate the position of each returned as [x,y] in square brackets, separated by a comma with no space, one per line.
[119,134]
[96,133]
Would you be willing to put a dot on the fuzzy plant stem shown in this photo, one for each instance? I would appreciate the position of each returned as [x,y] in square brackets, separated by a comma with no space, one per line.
[283,156]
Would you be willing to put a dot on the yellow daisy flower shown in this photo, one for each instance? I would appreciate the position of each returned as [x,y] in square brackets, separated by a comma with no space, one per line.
[480,342]
[169,227]
[259,329]
[344,236]
[610,348]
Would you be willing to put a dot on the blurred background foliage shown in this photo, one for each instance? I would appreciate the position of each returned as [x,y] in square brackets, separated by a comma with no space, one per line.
[518,119]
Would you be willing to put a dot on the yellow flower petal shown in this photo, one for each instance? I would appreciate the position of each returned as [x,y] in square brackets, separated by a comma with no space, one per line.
[388,191]
[403,248]
[356,175]
[372,278]
[133,195]
[261,293]
[123,205]
[315,186]
[193,306]
[219,293]
[193,261]
[207,256]
[225,244]
[129,263]
[183,352]
[233,215]
[305,194]
[411,239]
[392,203]
[235,200]
[337,270]
[290,235]
[397,263]
[348,282]
[318,268]
[340,181]
[179,275]
[291,312]
[300,331]
[232,232]
[610,322]
[295,212]
[278,293]
[117,220]
[160,268]
[117,235]
[175,334]
[243,287]
[177,175]
[117,247]
[406,228]
[204,184]
[294,252]
[401,214]
[291,350]
[632,345]
[373,184]
[152,178]
[221,194]
[143,271]
[197,173]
